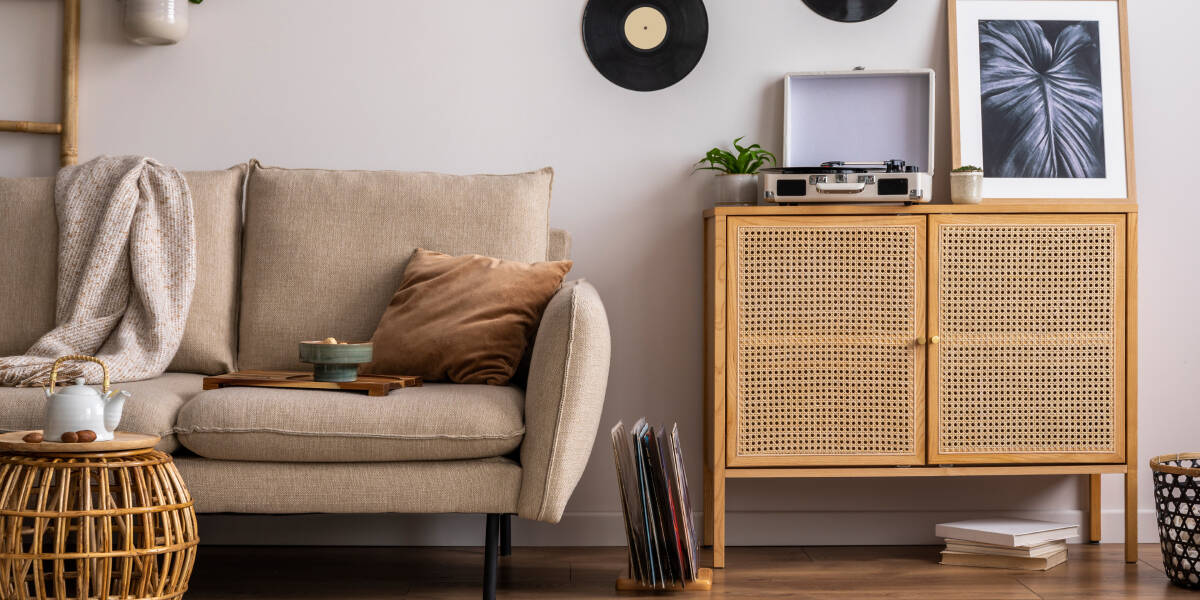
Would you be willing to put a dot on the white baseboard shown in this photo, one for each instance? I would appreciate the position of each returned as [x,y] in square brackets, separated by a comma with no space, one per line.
[1112,526]
[607,528]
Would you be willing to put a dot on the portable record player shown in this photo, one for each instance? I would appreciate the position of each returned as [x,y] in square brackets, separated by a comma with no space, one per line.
[836,120]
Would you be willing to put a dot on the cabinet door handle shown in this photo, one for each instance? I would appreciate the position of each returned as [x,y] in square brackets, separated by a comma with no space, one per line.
[920,341]
[935,339]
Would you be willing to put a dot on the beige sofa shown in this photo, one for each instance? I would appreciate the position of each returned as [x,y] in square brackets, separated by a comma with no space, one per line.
[318,253]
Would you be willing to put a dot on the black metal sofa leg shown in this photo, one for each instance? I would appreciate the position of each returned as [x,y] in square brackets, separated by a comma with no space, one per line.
[505,535]
[490,546]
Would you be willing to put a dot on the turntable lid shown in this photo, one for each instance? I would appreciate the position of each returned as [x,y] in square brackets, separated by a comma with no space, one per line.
[863,115]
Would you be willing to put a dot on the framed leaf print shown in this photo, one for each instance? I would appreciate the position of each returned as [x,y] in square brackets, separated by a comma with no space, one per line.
[1039,94]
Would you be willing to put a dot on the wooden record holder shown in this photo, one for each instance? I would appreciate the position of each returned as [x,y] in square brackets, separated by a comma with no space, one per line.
[373,385]
[702,583]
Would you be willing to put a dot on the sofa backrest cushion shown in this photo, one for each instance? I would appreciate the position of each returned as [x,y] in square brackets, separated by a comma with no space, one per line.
[210,337]
[560,245]
[29,269]
[325,250]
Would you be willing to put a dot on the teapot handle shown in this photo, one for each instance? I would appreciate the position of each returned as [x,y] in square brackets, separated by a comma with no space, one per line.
[58,363]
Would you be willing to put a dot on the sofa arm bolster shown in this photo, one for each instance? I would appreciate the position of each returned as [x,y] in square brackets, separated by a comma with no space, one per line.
[568,374]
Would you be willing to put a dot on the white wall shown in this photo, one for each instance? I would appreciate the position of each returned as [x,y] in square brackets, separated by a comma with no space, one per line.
[484,86]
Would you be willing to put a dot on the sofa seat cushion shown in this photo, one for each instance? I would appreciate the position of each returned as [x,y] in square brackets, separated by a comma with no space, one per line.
[152,407]
[432,422]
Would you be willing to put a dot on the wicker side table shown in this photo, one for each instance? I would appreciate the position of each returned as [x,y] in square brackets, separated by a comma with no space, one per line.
[101,520]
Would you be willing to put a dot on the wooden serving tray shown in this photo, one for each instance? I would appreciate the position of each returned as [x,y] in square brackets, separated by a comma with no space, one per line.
[122,440]
[373,385]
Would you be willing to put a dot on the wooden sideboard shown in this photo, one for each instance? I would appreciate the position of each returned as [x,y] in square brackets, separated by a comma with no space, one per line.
[931,340]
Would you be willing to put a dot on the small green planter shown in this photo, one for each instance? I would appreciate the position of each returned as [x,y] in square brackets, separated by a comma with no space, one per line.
[335,362]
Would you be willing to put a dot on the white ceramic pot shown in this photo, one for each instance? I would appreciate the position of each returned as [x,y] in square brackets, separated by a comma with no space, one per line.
[966,187]
[737,189]
[156,22]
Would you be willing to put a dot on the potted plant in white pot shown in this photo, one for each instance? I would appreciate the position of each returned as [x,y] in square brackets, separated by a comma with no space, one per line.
[737,174]
[966,185]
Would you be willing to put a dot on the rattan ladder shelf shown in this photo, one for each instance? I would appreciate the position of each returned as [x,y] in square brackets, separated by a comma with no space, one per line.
[68,126]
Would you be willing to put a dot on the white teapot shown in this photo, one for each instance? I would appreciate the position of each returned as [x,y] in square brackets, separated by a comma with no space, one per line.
[78,407]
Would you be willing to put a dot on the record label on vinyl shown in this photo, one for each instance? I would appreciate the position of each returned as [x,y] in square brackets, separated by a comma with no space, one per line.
[645,28]
[645,45]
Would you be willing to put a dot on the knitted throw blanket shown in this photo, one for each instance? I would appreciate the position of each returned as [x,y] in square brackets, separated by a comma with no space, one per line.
[126,269]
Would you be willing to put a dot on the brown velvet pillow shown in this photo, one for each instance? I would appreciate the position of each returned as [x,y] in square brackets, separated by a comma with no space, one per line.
[466,319]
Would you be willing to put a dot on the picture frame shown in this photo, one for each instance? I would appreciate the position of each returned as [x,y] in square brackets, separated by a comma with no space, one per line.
[1040,98]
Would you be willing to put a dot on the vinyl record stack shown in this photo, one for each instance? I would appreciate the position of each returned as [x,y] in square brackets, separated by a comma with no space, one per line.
[1006,543]
[663,543]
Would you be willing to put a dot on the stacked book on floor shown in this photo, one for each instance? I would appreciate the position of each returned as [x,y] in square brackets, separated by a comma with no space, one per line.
[663,543]
[1005,543]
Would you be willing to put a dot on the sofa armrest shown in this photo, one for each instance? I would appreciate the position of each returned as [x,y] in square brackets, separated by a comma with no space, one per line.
[568,374]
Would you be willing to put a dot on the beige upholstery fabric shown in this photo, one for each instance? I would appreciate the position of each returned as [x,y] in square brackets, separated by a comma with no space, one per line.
[126,270]
[432,422]
[210,337]
[464,486]
[151,408]
[560,245]
[565,394]
[29,265]
[325,250]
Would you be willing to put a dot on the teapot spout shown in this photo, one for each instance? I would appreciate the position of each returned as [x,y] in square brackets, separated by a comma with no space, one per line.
[113,407]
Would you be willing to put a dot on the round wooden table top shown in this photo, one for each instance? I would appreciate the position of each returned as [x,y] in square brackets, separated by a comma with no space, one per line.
[122,440]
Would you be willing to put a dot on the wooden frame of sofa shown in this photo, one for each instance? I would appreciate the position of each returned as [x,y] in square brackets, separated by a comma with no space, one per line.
[68,126]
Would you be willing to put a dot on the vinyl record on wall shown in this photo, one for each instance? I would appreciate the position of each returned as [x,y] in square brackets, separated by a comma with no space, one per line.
[849,11]
[645,45]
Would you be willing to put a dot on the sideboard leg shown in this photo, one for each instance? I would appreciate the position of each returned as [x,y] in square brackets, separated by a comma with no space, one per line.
[708,505]
[718,520]
[1131,514]
[1094,508]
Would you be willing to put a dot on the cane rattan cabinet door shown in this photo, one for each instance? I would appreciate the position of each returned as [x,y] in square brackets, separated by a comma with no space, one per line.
[1027,335]
[826,317]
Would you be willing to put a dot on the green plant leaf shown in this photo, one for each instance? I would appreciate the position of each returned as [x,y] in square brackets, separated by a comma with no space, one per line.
[747,160]
[716,159]
[743,161]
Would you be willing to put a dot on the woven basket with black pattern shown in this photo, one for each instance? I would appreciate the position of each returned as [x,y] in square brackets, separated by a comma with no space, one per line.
[1177,503]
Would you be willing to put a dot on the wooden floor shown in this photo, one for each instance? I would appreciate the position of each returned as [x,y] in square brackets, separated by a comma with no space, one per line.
[1092,572]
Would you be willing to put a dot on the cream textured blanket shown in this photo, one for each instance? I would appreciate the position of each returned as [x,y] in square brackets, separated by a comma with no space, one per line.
[126,269]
